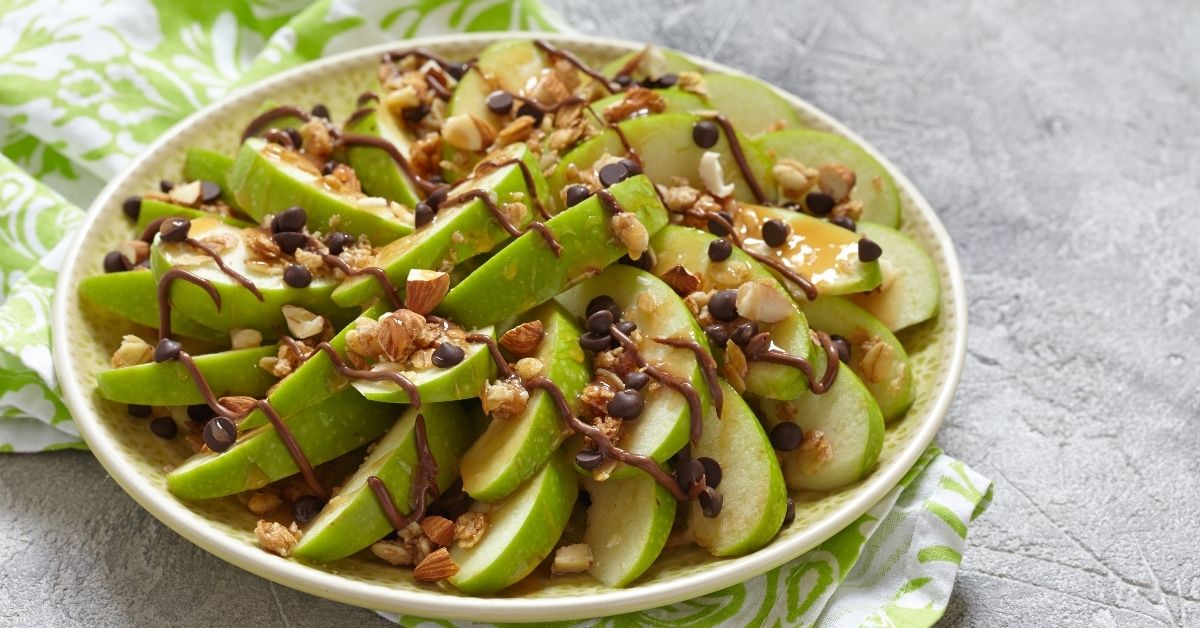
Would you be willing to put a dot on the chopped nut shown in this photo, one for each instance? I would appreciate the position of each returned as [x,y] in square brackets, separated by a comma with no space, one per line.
[397,333]
[735,367]
[504,399]
[469,528]
[245,338]
[693,82]
[877,359]
[239,405]
[632,233]
[697,301]
[466,132]
[516,131]
[301,322]
[275,538]
[794,178]
[567,136]
[605,376]
[679,198]
[817,450]
[761,301]
[523,339]
[595,398]
[406,97]
[316,137]
[132,352]
[572,559]
[682,281]
[712,175]
[188,194]
[611,427]
[440,530]
[260,246]
[637,101]
[529,368]
[438,565]
[425,290]
[652,62]
[393,553]
[425,153]
[263,503]
[849,208]
[835,180]
[648,302]
[135,251]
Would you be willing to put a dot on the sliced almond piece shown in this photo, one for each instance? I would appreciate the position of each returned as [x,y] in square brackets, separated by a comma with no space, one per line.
[438,565]
[523,339]
[425,290]
[188,194]
[835,180]
[681,280]
[440,530]
[760,301]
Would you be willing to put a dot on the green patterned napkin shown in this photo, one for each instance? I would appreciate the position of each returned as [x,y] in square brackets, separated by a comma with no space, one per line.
[85,86]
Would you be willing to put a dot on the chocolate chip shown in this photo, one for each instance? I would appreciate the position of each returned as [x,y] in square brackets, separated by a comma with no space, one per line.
[716,228]
[789,515]
[209,191]
[330,166]
[114,262]
[306,507]
[710,503]
[612,174]
[687,472]
[164,427]
[719,250]
[667,80]
[438,197]
[843,347]
[447,355]
[321,111]
[626,404]
[717,334]
[165,186]
[500,102]
[743,333]
[219,434]
[626,327]
[705,133]
[577,194]
[290,219]
[623,80]
[338,241]
[631,166]
[723,305]
[174,229]
[844,222]
[712,471]
[132,207]
[457,70]
[138,410]
[167,350]
[295,137]
[603,302]
[775,232]
[200,412]
[297,276]
[589,459]
[645,262]
[422,214]
[600,321]
[528,109]
[415,114]
[819,203]
[435,179]
[869,250]
[636,380]
[592,341]
[289,241]
[786,436]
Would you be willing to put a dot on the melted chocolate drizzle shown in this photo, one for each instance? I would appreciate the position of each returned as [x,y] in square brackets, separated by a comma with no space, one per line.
[263,119]
[380,275]
[151,230]
[570,57]
[804,283]
[494,349]
[686,389]
[352,139]
[735,146]
[229,272]
[358,114]
[526,173]
[164,301]
[759,349]
[293,447]
[349,372]
[708,366]
[424,483]
[365,98]
[505,223]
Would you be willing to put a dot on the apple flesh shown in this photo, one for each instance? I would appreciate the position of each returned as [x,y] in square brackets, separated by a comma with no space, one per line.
[911,290]
[526,273]
[206,165]
[513,449]
[750,104]
[229,373]
[353,519]
[653,64]
[461,381]
[752,487]
[379,174]
[153,210]
[522,531]
[131,295]
[627,526]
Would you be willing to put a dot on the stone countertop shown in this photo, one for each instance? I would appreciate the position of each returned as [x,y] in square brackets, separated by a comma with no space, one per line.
[1058,141]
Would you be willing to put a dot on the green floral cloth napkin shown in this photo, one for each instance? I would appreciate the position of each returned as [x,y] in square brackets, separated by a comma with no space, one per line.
[86,85]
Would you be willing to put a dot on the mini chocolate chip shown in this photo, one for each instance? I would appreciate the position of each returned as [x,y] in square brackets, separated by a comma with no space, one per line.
[844,222]
[626,404]
[528,109]
[626,327]
[219,434]
[138,410]
[209,191]
[705,133]
[592,341]
[164,427]
[589,459]
[717,334]
[819,203]
[438,197]
[436,179]
[200,412]
[612,174]
[624,80]
[786,436]
[687,472]
[667,80]
[447,355]
[114,262]
[415,114]
[321,111]
[710,503]
[165,186]
[869,250]
[500,102]
[743,333]
[295,137]
[132,207]
[636,380]
[280,137]
[290,219]
[631,166]
[775,232]
[422,214]
[600,321]
[289,241]
[338,241]
[167,350]
[723,305]
[789,515]
[645,262]
[174,229]
[457,70]
[604,302]
[719,250]
[306,507]
[330,165]
[297,276]
[712,471]
[843,347]
[718,229]
[577,194]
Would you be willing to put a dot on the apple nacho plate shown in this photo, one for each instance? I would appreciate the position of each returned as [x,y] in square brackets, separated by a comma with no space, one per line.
[509,328]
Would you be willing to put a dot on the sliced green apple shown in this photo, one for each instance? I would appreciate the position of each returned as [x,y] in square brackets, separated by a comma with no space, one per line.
[153,210]
[337,425]
[461,381]
[627,527]
[229,373]
[526,272]
[202,164]
[522,530]
[512,65]
[378,172]
[675,100]
[651,63]
[750,104]
[353,519]
[513,449]
[459,231]
[267,179]
[132,296]
[874,187]
[911,290]
[843,434]
[885,369]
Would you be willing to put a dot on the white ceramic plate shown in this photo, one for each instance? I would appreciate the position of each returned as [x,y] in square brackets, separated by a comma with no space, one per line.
[84,340]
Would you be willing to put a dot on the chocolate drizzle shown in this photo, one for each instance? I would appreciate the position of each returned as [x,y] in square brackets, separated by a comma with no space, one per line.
[289,441]
[380,275]
[365,98]
[735,146]
[494,349]
[804,283]
[759,349]
[229,272]
[352,139]
[570,57]
[526,173]
[349,372]
[164,302]
[708,366]
[265,118]
[151,230]
[695,408]
[609,202]
[424,483]
[505,223]
[358,114]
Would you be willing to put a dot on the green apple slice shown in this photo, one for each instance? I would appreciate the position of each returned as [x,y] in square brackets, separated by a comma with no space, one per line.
[888,373]
[379,174]
[522,530]
[526,273]
[461,381]
[202,164]
[750,104]
[229,373]
[512,65]
[267,179]
[821,251]
[353,519]
[132,296]
[627,527]
[458,232]
[663,427]
[687,247]
[664,144]
[513,449]
[337,425]
[675,100]
[911,289]
[752,488]
[240,308]
[874,187]
[652,64]
[153,210]
[851,434]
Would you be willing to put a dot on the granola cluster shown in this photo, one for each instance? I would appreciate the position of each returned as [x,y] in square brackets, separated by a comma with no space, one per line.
[402,340]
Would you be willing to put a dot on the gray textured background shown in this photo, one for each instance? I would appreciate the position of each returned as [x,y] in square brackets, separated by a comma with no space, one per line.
[1058,141]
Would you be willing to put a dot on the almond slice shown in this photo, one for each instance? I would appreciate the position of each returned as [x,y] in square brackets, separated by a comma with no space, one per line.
[425,290]
[438,565]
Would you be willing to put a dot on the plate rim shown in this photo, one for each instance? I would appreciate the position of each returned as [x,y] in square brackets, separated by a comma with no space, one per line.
[439,605]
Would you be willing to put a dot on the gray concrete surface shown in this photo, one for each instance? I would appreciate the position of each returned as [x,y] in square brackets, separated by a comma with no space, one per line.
[1059,143]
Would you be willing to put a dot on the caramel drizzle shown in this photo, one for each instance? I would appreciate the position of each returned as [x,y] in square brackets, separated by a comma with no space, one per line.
[503,220]
[229,272]
[804,283]
[380,275]
[735,146]
[708,366]
[684,388]
[349,372]
[526,173]
[164,290]
[352,139]
[271,115]
[759,349]
[424,484]
[570,57]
